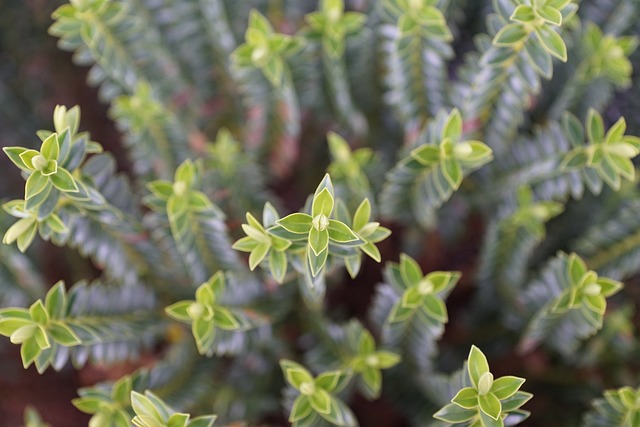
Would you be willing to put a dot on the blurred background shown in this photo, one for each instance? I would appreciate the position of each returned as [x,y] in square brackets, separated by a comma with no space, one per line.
[34,77]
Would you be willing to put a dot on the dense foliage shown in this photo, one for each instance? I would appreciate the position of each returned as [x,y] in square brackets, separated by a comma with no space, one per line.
[331,204]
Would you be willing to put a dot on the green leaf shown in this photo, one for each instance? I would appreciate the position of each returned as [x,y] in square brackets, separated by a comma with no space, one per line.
[622,165]
[121,391]
[298,223]
[274,70]
[88,404]
[178,420]
[19,228]
[510,34]
[317,262]
[295,374]
[452,127]
[25,238]
[477,365]
[516,401]
[454,414]
[477,153]
[490,405]
[505,387]
[410,271]
[371,250]
[38,313]
[50,148]
[372,378]
[54,222]
[549,14]
[318,240]
[435,308]
[186,173]
[340,232]
[204,333]
[608,287]
[412,298]
[597,303]
[278,265]
[9,325]
[452,172]
[595,126]
[564,302]
[198,201]
[577,268]
[179,311]
[426,155]
[27,157]
[321,401]
[63,335]
[466,398]
[36,183]
[14,155]
[399,313]
[224,319]
[523,13]
[202,421]
[333,381]
[576,158]
[29,351]
[387,359]
[301,408]
[64,181]
[257,255]
[362,215]
[488,421]
[245,244]
[539,58]
[322,204]
[552,42]
[143,406]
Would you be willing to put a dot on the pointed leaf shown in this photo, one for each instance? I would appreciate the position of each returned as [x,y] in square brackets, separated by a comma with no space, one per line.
[295,374]
[477,365]
[510,34]
[435,308]
[490,405]
[505,387]
[466,398]
[50,148]
[298,223]
[322,204]
[454,414]
[410,270]
[552,42]
[301,408]
[257,255]
[339,232]
[64,181]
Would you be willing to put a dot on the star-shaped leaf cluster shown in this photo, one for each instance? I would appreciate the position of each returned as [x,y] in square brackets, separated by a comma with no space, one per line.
[318,229]
[539,17]
[206,314]
[316,396]
[453,157]
[151,411]
[265,49]
[419,17]
[609,154]
[586,289]
[422,292]
[488,401]
[39,327]
[107,406]
[332,25]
